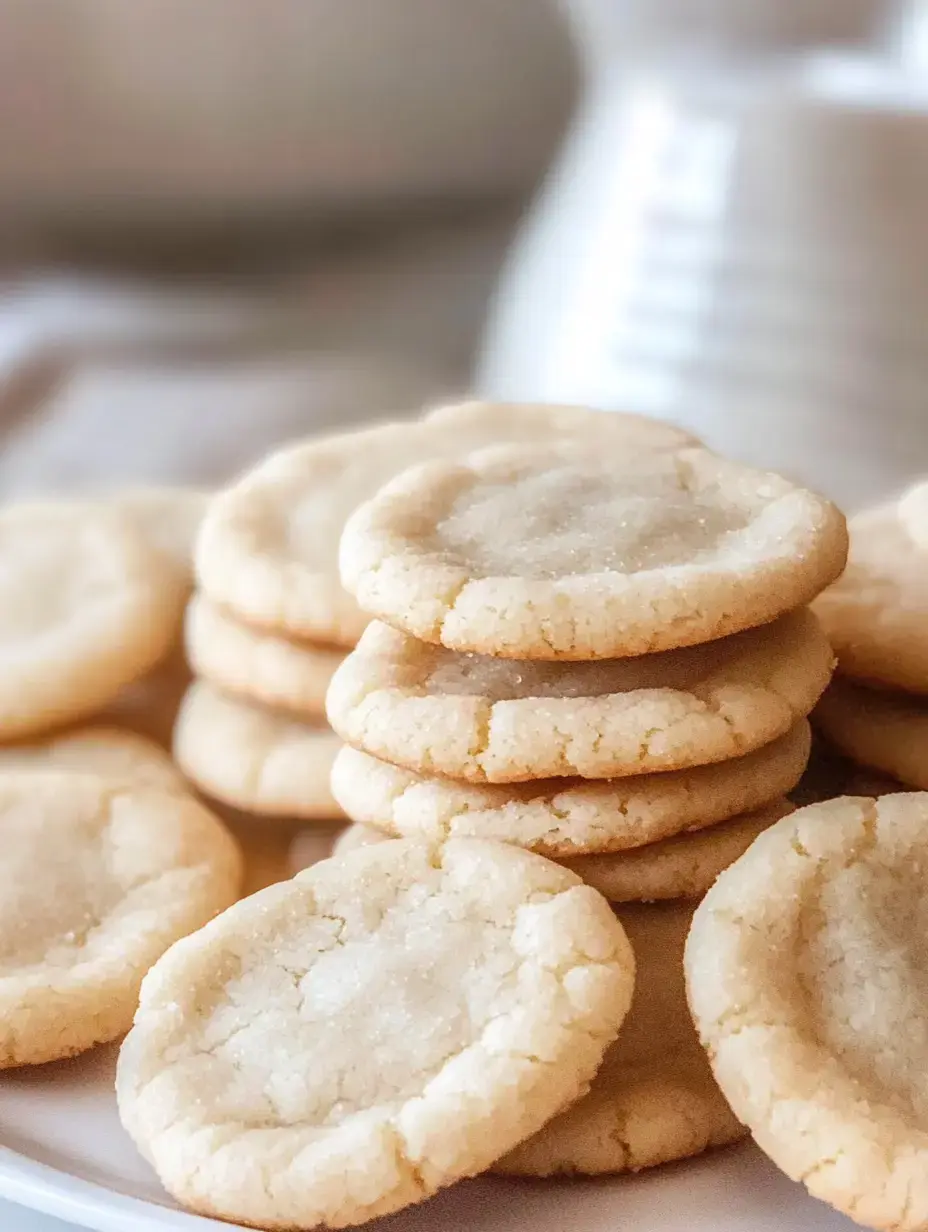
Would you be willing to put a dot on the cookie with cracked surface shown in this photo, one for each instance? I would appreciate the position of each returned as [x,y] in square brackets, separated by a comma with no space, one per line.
[885,731]
[558,818]
[555,552]
[99,879]
[86,606]
[681,867]
[654,1099]
[806,977]
[345,1044]
[481,719]
[268,547]
[875,613]
[256,665]
[257,760]
[106,751]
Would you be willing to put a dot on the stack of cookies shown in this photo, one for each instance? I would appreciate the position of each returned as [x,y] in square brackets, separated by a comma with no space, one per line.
[271,620]
[609,663]
[876,615]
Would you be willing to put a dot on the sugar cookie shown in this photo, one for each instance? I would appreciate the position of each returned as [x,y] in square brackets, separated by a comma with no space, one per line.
[268,546]
[99,879]
[875,614]
[884,731]
[257,665]
[472,717]
[558,818]
[345,1044]
[106,751]
[255,759]
[85,607]
[654,1099]
[807,980]
[556,553]
[681,867]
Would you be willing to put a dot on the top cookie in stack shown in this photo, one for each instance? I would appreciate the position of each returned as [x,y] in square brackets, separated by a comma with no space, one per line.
[548,613]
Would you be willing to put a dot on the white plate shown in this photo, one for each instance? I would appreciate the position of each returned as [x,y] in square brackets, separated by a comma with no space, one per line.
[63,1152]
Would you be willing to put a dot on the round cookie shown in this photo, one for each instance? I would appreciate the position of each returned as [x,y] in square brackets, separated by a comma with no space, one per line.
[268,547]
[541,552]
[99,879]
[258,666]
[85,607]
[654,1099]
[875,614]
[680,867]
[913,514]
[887,732]
[345,1044]
[471,717]
[255,759]
[558,818]
[106,751]
[807,980]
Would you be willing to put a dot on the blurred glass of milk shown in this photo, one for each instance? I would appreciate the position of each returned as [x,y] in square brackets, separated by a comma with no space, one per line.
[735,235]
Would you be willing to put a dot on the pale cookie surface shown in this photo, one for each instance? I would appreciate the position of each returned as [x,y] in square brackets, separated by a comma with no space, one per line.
[680,867]
[85,607]
[913,514]
[268,547]
[887,732]
[106,751]
[345,1044]
[807,978]
[557,552]
[256,665]
[505,720]
[99,879]
[654,1099]
[875,614]
[558,818]
[254,759]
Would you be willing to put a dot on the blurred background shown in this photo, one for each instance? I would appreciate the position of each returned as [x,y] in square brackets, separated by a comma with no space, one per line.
[225,223]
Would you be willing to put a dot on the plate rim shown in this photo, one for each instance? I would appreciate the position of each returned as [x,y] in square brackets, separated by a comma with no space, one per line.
[88,1204]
